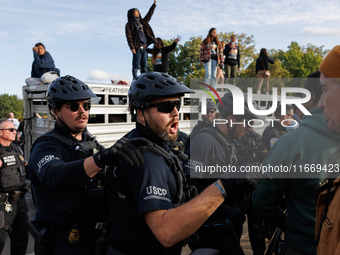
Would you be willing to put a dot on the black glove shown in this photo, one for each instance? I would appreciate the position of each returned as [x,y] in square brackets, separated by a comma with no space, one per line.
[129,150]
[246,184]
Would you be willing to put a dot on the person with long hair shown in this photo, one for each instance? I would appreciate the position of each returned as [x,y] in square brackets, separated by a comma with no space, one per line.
[211,55]
[262,70]
[160,54]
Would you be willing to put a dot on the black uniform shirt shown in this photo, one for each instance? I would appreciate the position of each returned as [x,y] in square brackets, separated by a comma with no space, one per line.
[55,174]
[151,186]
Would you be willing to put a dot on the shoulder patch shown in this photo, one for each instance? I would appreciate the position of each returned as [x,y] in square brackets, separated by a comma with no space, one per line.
[272,141]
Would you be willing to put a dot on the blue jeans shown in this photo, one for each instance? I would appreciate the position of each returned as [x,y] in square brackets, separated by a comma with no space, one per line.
[140,59]
[210,72]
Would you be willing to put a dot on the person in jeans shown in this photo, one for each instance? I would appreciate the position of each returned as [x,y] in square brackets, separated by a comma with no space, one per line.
[211,55]
[232,61]
[139,36]
[261,70]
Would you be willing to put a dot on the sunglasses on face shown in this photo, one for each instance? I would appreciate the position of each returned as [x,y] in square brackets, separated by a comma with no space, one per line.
[167,107]
[210,112]
[9,129]
[75,106]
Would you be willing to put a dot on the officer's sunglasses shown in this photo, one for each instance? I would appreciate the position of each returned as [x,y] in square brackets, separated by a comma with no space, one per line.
[75,106]
[9,129]
[167,106]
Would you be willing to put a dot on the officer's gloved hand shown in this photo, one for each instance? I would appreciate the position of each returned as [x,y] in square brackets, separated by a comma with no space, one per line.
[129,150]
[245,184]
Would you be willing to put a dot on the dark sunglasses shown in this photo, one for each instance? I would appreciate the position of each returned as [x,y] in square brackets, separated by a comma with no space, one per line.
[210,112]
[167,106]
[9,129]
[75,106]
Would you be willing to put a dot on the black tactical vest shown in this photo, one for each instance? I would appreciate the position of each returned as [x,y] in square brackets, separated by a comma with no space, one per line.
[124,213]
[12,172]
[76,200]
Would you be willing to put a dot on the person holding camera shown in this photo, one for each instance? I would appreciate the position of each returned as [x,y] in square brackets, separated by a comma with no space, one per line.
[13,187]
[211,55]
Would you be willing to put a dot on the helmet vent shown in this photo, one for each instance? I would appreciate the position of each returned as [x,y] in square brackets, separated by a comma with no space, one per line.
[83,87]
[74,88]
[170,82]
[141,86]
[164,75]
[64,91]
[158,86]
[163,83]
[150,77]
[61,83]
[53,90]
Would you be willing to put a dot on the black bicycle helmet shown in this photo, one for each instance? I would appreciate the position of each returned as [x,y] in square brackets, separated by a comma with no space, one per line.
[227,107]
[211,105]
[65,89]
[153,85]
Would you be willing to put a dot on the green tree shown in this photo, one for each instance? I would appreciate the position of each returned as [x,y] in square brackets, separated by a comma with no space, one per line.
[300,61]
[10,103]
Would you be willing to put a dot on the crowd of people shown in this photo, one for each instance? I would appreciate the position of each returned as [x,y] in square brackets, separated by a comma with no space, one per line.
[143,195]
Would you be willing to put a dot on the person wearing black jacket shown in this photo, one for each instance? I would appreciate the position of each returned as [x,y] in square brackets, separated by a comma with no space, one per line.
[139,36]
[160,55]
[232,59]
[262,68]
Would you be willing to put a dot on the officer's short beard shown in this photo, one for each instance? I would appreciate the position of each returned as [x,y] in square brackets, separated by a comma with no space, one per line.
[164,136]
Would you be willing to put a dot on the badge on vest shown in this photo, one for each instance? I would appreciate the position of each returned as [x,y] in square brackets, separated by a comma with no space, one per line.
[74,236]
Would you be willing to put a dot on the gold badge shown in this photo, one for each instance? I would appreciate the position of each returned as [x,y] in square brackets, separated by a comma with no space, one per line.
[21,158]
[74,236]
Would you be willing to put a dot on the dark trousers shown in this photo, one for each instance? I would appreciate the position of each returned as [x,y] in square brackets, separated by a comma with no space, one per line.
[256,232]
[19,234]
[139,60]
[15,227]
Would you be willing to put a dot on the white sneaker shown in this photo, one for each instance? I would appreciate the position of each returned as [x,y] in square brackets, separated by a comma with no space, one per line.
[267,93]
[258,92]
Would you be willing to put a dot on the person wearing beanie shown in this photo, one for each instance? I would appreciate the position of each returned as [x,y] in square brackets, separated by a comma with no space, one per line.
[327,226]
[139,36]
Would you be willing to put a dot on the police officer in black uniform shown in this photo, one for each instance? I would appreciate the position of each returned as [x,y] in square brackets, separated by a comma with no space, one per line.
[212,147]
[277,128]
[208,118]
[66,169]
[146,203]
[13,187]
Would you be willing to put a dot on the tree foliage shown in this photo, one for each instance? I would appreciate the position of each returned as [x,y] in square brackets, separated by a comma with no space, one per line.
[10,103]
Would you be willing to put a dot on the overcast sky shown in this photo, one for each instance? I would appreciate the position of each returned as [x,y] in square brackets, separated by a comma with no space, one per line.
[87,38]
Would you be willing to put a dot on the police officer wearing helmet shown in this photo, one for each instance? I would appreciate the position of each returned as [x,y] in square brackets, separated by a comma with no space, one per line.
[147,211]
[208,118]
[13,187]
[212,147]
[65,170]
